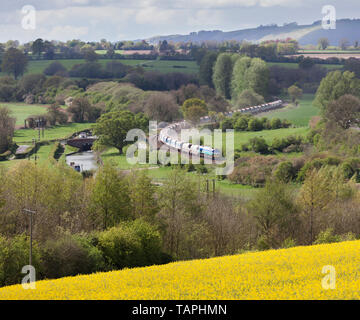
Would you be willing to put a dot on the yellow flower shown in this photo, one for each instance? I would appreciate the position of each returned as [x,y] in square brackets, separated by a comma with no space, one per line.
[294,273]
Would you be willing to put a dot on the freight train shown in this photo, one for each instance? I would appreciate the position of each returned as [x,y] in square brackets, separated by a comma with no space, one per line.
[203,151]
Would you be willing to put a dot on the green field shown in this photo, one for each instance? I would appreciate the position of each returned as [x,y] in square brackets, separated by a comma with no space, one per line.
[268,135]
[300,115]
[24,136]
[38,66]
[21,111]
[296,65]
[171,66]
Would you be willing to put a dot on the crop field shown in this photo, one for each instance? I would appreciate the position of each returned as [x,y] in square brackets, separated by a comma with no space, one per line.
[300,115]
[287,274]
[21,111]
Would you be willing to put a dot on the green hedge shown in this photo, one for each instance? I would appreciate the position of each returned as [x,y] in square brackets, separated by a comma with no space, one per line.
[56,151]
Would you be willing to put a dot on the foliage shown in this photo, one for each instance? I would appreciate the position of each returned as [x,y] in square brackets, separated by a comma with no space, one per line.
[14,62]
[113,127]
[222,75]
[131,244]
[335,85]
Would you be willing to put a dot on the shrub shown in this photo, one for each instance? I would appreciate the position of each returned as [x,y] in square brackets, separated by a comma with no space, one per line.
[327,236]
[131,244]
[255,125]
[71,255]
[288,243]
[275,123]
[14,255]
[284,171]
[241,124]
[259,145]
[55,68]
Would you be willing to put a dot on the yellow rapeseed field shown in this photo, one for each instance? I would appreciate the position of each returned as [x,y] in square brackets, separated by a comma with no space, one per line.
[294,273]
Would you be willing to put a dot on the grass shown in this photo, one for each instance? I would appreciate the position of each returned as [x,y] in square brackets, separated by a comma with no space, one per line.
[38,66]
[300,115]
[296,65]
[171,66]
[268,135]
[285,274]
[21,111]
[121,162]
[54,133]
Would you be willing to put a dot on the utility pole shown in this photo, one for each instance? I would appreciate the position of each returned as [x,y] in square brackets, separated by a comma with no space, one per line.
[31,232]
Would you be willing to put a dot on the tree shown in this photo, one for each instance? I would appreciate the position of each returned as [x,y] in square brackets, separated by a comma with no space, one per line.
[345,111]
[142,196]
[178,201]
[161,107]
[258,144]
[193,109]
[306,63]
[353,65]
[238,82]
[249,98]
[38,47]
[284,171]
[7,128]
[335,85]
[222,75]
[295,93]
[56,115]
[90,55]
[252,74]
[83,111]
[323,43]
[344,43]
[258,76]
[315,196]
[207,69]
[14,62]
[110,196]
[273,217]
[112,128]
[55,68]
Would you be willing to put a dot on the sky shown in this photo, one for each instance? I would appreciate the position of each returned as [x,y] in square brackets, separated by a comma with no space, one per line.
[115,20]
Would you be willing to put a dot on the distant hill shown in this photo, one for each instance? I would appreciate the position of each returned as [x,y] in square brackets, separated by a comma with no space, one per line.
[305,34]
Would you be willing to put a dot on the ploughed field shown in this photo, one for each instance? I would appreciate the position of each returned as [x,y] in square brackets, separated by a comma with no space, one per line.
[294,273]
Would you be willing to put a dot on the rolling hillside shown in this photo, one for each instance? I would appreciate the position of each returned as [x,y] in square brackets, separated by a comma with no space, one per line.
[305,34]
[294,273]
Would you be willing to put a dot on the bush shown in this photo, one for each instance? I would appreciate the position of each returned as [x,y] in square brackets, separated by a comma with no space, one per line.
[131,244]
[259,145]
[55,68]
[284,171]
[327,236]
[14,255]
[255,125]
[71,255]
[275,123]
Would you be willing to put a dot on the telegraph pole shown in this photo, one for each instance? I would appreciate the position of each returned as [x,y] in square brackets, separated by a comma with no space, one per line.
[31,232]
